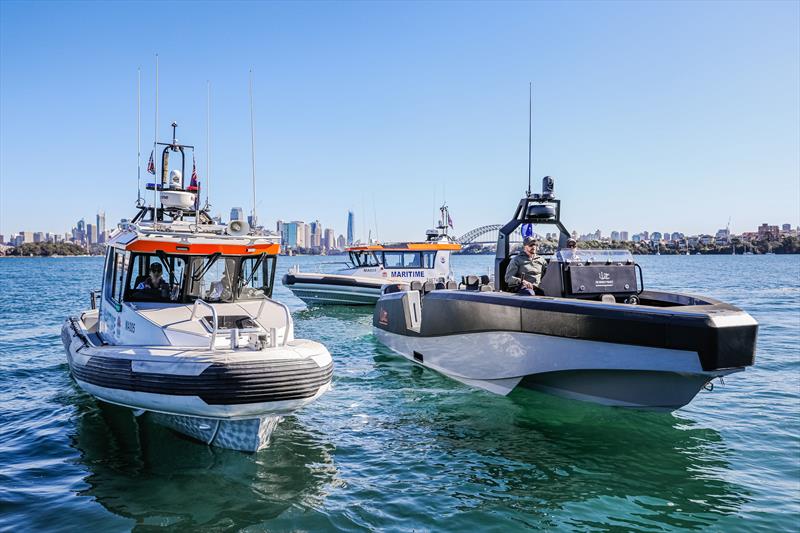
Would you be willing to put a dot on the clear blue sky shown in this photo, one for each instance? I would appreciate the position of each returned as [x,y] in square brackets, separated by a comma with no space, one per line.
[667,116]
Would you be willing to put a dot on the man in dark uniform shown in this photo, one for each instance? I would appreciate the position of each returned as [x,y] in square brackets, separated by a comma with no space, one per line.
[525,270]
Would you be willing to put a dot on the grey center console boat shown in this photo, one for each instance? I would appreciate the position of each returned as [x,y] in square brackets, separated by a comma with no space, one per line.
[594,333]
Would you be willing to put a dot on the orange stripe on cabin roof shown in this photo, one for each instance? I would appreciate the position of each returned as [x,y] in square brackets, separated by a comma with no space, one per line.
[202,249]
[407,247]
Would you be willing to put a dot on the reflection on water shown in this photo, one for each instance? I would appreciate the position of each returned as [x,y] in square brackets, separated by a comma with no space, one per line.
[141,470]
[548,457]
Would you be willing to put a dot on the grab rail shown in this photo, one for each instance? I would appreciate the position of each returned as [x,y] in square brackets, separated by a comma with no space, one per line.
[93,297]
[285,311]
[213,316]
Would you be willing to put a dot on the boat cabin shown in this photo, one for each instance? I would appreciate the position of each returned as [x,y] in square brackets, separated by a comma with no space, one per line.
[401,260]
[165,269]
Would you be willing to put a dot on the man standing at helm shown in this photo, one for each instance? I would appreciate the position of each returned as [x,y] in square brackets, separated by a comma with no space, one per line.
[525,270]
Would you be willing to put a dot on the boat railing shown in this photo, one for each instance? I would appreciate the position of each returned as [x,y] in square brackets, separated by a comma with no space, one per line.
[287,315]
[213,316]
[93,297]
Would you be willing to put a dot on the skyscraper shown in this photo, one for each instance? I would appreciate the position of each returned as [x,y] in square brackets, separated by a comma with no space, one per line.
[351,228]
[330,239]
[237,213]
[341,242]
[316,234]
[101,226]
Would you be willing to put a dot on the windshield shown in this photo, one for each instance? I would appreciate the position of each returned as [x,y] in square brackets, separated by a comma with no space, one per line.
[573,255]
[213,278]
[363,259]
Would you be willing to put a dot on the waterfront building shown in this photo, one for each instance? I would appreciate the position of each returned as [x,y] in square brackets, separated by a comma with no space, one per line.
[316,234]
[768,233]
[341,242]
[38,237]
[351,228]
[2,239]
[237,213]
[279,227]
[614,235]
[637,238]
[667,236]
[101,226]
[91,232]
[307,238]
[655,236]
[289,235]
[623,236]
[330,239]
[787,228]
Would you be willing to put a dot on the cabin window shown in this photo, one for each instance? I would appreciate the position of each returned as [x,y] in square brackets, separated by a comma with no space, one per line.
[364,259]
[411,260]
[393,259]
[213,278]
[428,259]
[402,260]
[150,283]
[258,274]
[116,269]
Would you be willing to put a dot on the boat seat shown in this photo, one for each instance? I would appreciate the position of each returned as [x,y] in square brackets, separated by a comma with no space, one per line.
[485,280]
[440,286]
[471,283]
[392,288]
[487,288]
[428,286]
[451,285]
[416,285]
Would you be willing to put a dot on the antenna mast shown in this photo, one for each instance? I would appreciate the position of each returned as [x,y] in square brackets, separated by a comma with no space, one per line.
[253,147]
[208,142]
[139,201]
[155,140]
[530,114]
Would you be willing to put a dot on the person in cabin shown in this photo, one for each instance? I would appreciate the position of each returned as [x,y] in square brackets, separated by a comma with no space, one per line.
[154,281]
[525,270]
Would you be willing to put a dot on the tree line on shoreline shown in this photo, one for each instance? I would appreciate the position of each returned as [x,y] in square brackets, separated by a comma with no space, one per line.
[47,249]
[785,245]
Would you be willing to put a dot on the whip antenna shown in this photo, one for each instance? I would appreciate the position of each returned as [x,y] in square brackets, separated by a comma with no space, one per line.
[253,148]
[155,140]
[139,201]
[208,142]
[530,114]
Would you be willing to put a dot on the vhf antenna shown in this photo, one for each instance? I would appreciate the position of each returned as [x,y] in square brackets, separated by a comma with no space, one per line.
[253,148]
[530,113]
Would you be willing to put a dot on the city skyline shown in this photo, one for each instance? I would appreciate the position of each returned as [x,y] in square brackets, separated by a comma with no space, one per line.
[86,235]
[669,134]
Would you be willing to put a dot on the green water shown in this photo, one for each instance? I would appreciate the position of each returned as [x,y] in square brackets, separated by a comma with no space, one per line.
[397,447]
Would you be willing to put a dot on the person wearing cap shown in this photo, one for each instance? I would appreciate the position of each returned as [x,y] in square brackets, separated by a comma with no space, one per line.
[572,246]
[525,270]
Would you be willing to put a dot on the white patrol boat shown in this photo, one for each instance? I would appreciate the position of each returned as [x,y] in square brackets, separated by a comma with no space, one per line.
[184,329]
[373,266]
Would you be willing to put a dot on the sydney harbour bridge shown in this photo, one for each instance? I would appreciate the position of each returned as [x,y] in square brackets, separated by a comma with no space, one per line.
[485,235]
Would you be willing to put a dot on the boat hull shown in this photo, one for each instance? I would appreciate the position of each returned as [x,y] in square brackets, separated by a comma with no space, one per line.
[232,399]
[331,289]
[604,373]
[613,354]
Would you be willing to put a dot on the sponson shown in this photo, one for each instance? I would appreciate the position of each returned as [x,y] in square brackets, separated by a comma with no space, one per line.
[594,335]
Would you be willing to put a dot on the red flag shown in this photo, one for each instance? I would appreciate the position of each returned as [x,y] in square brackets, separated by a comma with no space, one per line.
[151,166]
[194,184]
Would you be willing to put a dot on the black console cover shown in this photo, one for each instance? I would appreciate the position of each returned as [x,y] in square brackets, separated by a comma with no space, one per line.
[602,279]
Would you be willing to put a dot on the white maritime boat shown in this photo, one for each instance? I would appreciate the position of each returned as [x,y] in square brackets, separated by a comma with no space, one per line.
[371,266]
[184,329]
